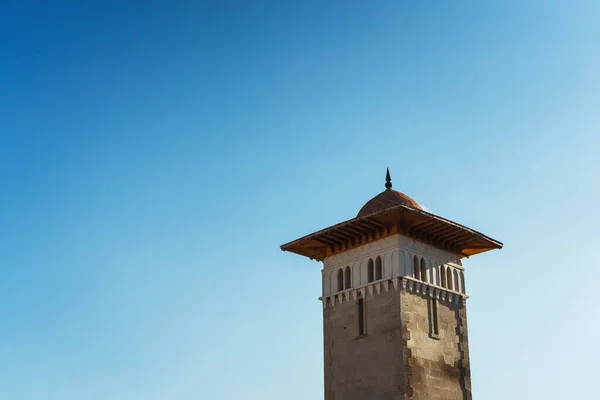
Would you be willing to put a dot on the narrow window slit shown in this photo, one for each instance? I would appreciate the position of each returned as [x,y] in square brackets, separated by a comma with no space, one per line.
[433,319]
[361,317]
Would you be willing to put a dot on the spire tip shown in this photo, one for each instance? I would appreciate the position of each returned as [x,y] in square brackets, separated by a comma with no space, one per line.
[388,179]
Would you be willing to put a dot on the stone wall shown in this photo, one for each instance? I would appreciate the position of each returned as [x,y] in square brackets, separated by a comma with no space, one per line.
[398,357]
[437,365]
[368,366]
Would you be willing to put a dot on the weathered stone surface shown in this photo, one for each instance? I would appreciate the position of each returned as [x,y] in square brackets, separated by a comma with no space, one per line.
[438,364]
[397,358]
[368,366]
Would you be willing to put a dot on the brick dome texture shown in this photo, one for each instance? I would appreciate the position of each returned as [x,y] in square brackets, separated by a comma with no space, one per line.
[386,199]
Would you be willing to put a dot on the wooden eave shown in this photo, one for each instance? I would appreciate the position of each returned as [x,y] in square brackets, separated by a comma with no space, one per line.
[400,219]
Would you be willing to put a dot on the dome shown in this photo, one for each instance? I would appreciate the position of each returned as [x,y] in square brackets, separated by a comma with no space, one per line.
[386,199]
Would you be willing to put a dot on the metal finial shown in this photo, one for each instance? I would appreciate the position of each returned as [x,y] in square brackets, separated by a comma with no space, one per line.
[388,180]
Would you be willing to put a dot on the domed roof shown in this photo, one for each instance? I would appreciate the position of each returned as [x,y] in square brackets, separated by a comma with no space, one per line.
[386,199]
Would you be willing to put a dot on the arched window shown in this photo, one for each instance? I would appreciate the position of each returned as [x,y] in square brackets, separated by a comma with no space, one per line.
[456,284]
[462,282]
[449,278]
[378,269]
[348,280]
[443,275]
[423,271]
[370,271]
[416,269]
[340,280]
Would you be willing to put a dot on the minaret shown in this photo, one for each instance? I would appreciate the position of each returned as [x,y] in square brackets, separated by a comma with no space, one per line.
[394,301]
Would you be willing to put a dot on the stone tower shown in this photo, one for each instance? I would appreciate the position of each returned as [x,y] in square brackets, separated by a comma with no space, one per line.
[394,298]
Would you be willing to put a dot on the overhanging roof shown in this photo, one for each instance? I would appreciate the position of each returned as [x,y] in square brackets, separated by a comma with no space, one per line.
[400,219]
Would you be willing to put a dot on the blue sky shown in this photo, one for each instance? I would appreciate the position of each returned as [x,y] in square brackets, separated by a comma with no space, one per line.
[153,157]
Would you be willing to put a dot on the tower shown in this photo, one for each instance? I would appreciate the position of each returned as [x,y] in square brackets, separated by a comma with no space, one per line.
[394,301]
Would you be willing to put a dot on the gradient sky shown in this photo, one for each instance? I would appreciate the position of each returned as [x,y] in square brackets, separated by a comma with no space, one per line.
[154,157]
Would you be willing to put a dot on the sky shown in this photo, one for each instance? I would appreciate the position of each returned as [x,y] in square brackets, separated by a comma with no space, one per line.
[154,156]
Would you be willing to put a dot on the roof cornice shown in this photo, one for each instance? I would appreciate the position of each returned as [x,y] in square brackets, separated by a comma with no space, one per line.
[400,219]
